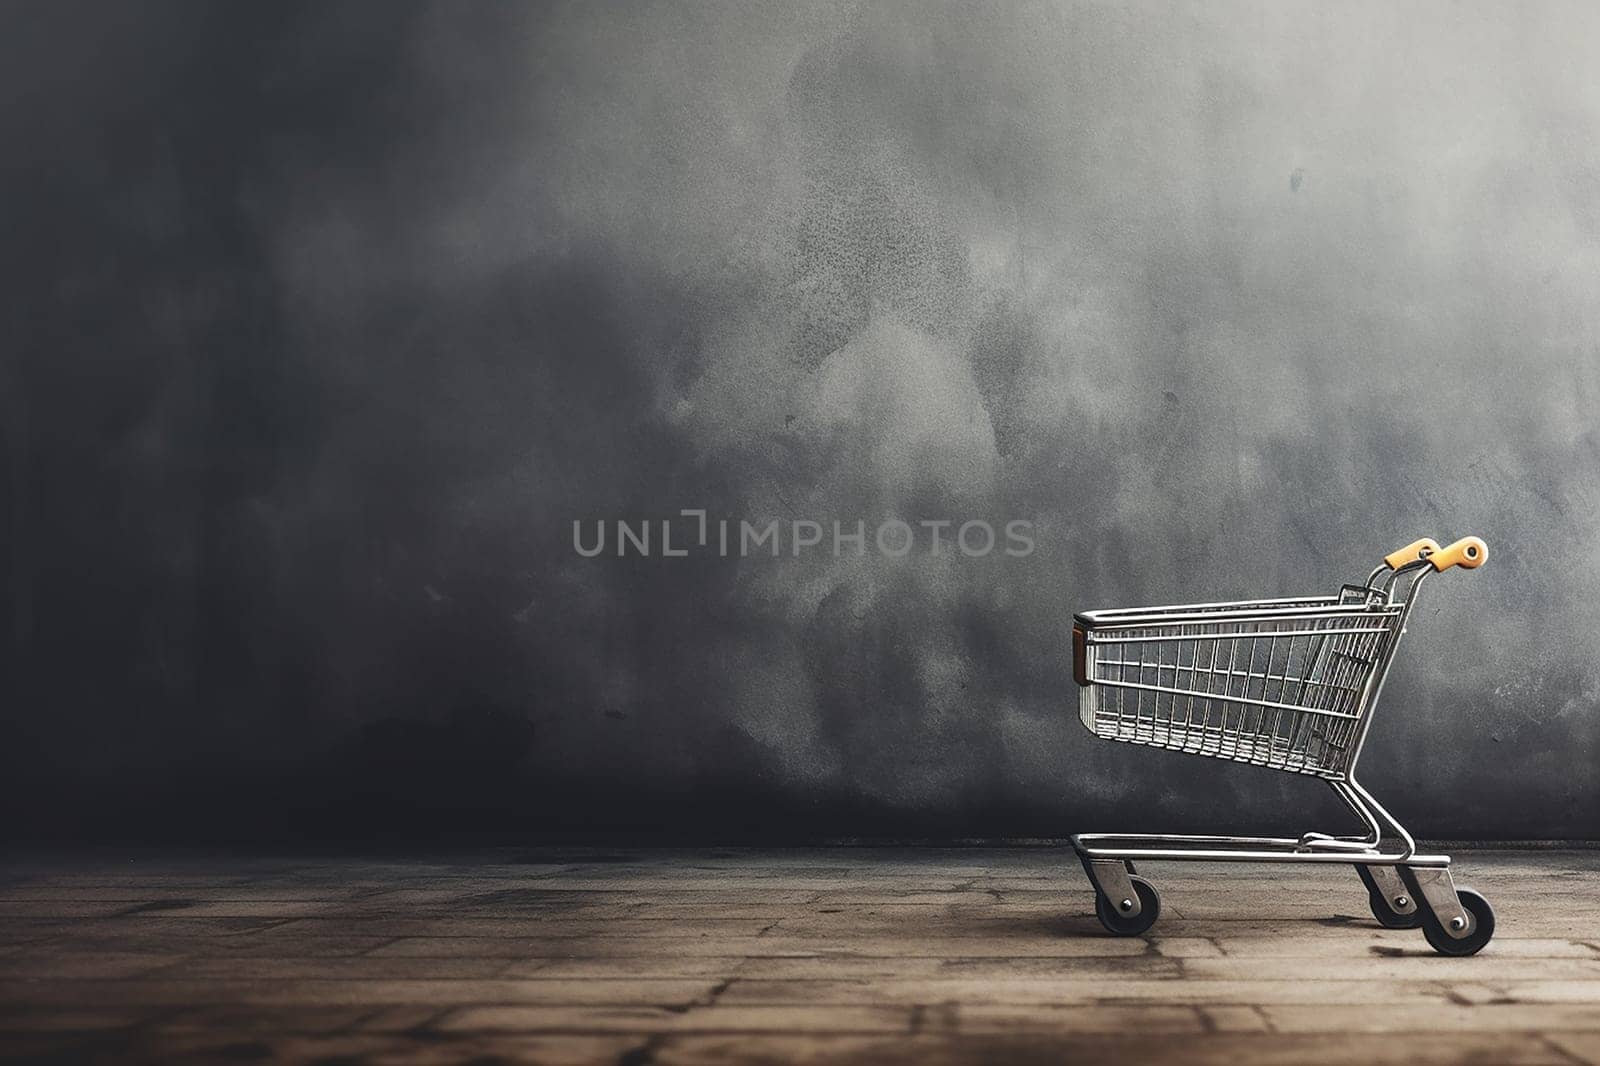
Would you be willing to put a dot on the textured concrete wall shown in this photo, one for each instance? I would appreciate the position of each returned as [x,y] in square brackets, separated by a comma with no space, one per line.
[327,321]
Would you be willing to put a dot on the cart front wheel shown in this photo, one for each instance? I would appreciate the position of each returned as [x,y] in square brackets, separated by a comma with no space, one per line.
[1387,916]
[1480,926]
[1117,923]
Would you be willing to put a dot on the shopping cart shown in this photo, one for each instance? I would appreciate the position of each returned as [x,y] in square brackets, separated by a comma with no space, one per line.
[1286,684]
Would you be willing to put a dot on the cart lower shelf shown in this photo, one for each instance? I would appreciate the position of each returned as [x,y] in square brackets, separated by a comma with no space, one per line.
[1404,890]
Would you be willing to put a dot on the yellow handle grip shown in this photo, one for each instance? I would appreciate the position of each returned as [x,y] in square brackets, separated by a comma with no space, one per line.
[1410,553]
[1467,553]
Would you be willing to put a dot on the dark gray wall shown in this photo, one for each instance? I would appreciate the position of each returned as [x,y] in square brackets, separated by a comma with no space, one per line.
[326,321]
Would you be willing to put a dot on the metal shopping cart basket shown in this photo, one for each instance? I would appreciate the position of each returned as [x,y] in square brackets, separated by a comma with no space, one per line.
[1285,684]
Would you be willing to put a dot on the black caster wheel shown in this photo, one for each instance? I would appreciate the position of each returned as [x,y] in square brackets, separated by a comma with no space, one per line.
[1117,924]
[1386,915]
[1480,926]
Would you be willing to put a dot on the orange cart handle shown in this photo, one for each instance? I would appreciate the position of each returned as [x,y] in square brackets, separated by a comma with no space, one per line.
[1417,549]
[1468,553]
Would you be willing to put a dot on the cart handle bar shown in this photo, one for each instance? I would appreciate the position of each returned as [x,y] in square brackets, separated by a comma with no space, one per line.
[1468,553]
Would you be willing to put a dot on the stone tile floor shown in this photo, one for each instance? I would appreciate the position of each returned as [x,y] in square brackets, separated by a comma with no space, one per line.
[819,956]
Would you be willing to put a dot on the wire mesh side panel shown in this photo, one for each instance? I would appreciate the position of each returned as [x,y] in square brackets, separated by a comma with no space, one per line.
[1280,692]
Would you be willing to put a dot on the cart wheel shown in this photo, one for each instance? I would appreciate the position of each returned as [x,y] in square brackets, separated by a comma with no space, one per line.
[1480,926]
[1149,910]
[1387,916]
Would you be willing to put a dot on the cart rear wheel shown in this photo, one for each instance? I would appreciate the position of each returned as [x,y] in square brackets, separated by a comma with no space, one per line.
[1480,926]
[1387,916]
[1116,923]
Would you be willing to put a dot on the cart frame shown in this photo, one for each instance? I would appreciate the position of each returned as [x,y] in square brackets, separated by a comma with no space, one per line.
[1455,921]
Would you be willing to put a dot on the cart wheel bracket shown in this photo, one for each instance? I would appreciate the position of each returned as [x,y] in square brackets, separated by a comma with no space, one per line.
[1395,893]
[1110,877]
[1438,890]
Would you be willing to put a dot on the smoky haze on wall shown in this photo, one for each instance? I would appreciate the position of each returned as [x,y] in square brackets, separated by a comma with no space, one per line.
[327,321]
